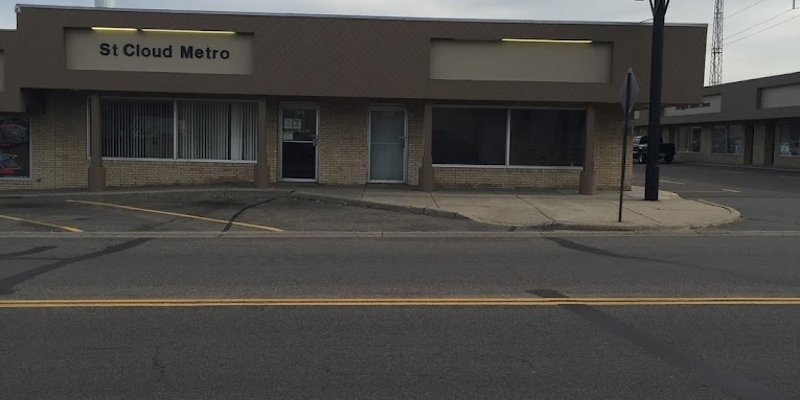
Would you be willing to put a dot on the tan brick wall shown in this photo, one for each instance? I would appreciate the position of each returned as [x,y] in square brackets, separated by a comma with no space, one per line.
[416,115]
[59,153]
[58,145]
[343,142]
[272,139]
[164,173]
[508,177]
[608,145]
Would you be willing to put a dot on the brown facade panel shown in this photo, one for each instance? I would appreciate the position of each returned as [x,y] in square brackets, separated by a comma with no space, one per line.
[350,57]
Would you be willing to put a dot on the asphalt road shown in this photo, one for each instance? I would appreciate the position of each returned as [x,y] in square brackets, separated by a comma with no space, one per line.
[768,199]
[438,350]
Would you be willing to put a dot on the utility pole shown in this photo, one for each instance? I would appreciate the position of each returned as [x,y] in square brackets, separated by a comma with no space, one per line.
[659,9]
[715,77]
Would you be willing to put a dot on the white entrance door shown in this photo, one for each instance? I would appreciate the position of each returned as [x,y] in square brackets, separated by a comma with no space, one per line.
[388,139]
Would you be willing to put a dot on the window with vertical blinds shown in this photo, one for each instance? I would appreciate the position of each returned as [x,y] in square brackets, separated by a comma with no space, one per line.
[137,129]
[179,130]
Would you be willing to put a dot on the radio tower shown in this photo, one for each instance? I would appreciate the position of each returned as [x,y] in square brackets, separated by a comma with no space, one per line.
[716,44]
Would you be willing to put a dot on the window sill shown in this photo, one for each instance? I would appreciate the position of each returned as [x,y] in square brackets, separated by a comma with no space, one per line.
[467,166]
[173,160]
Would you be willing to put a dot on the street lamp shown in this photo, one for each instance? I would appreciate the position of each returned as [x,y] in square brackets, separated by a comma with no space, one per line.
[659,9]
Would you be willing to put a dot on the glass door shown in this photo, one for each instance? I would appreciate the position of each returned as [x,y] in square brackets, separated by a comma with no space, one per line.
[298,142]
[387,144]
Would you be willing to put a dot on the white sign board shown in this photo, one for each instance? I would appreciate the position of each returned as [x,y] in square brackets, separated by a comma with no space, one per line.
[160,51]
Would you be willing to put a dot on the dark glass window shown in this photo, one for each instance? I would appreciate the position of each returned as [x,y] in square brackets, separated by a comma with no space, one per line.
[547,137]
[471,136]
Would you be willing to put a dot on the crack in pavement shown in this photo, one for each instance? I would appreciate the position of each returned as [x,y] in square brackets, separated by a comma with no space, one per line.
[243,209]
[8,284]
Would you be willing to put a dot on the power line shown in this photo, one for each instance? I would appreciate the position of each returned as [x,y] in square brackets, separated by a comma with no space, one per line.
[758,24]
[745,9]
[763,30]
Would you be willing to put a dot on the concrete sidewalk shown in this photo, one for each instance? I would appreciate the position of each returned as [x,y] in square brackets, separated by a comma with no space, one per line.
[536,210]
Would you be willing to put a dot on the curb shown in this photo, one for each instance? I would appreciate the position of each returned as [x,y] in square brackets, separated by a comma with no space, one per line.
[735,215]
[148,193]
[745,167]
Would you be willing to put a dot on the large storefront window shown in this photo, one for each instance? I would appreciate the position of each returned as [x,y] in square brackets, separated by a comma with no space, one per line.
[469,136]
[789,138]
[15,148]
[688,139]
[508,137]
[728,139]
[180,130]
[547,137]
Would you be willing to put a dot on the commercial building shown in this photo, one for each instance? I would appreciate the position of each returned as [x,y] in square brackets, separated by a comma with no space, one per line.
[95,98]
[753,122]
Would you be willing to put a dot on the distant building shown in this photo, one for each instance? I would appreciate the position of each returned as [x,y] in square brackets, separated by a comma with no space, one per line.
[753,122]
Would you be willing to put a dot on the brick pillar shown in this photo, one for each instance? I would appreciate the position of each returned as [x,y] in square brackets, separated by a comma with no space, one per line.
[261,172]
[588,184]
[97,174]
[427,177]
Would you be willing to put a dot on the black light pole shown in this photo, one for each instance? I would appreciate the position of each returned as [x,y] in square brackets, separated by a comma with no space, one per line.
[659,8]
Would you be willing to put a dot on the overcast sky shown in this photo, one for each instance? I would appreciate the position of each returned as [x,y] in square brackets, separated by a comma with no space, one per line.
[768,52]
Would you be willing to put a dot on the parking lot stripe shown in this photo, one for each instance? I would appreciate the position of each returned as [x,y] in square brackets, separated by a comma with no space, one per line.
[173,214]
[398,302]
[39,223]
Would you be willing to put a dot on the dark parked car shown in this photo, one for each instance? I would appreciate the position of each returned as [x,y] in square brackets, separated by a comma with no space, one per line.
[666,151]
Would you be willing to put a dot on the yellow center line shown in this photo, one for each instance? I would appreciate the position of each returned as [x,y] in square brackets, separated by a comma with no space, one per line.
[174,214]
[39,223]
[396,302]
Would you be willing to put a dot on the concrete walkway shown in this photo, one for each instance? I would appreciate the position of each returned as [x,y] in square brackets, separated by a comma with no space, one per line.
[536,210]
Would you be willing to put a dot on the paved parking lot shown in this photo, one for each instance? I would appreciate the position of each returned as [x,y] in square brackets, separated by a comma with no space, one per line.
[768,199]
[199,212]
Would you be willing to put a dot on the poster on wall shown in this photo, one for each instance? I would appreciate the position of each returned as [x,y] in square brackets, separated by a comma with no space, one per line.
[15,150]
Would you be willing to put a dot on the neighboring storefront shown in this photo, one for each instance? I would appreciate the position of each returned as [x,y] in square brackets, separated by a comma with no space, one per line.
[105,98]
[754,122]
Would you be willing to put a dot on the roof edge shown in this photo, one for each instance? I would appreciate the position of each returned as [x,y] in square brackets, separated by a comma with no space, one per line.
[355,17]
[762,78]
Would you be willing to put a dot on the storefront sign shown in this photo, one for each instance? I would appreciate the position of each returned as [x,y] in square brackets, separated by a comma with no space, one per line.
[191,52]
[15,150]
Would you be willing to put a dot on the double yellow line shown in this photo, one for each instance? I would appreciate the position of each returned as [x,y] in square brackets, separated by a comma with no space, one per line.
[399,302]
